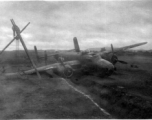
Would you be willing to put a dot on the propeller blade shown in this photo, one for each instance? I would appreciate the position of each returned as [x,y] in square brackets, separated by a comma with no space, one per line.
[112,49]
[36,53]
[123,62]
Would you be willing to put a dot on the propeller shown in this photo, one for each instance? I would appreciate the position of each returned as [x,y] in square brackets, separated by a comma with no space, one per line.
[114,58]
[123,62]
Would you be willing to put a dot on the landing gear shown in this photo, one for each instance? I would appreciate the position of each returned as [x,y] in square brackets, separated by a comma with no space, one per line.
[76,77]
[68,72]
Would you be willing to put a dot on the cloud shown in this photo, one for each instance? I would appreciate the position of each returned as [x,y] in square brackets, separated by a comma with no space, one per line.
[94,23]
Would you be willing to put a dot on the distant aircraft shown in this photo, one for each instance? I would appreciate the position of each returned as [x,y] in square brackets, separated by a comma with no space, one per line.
[84,60]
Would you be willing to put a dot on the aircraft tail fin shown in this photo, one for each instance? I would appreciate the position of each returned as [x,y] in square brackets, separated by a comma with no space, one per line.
[37,56]
[76,45]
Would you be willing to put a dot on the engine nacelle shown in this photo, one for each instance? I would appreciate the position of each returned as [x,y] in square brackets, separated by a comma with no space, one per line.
[66,71]
[114,59]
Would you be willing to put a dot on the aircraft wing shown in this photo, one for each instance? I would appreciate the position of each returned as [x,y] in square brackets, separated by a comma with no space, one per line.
[44,68]
[132,46]
[125,47]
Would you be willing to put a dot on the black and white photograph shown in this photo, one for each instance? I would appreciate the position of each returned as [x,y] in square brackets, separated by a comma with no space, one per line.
[76,59]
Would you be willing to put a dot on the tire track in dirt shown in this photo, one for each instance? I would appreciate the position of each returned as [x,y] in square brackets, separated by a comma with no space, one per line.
[87,96]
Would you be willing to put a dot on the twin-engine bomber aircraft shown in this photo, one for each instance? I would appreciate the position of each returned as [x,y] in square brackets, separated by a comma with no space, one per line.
[66,69]
[81,55]
[108,55]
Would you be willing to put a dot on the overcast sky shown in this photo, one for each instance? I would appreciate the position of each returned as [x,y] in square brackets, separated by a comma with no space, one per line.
[95,24]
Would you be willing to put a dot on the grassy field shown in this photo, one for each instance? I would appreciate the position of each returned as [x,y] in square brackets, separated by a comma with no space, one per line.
[125,94]
[128,92]
[27,97]
[31,98]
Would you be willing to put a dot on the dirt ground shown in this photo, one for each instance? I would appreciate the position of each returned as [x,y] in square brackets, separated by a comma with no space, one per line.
[31,98]
[128,92]
[125,94]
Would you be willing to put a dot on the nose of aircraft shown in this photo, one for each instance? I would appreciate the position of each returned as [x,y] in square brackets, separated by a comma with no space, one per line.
[107,66]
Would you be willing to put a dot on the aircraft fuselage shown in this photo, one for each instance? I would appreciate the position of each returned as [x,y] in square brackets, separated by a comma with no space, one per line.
[89,62]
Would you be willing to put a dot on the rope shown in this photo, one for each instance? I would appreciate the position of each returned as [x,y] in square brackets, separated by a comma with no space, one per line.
[17,51]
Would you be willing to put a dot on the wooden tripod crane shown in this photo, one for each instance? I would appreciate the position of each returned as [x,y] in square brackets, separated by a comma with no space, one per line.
[17,36]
